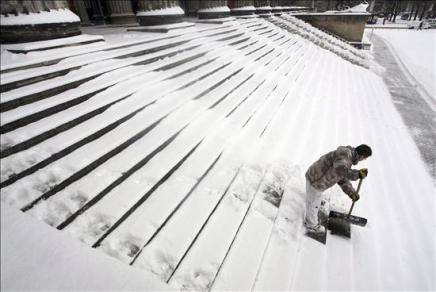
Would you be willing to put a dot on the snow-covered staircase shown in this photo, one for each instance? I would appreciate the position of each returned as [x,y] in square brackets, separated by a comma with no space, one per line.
[81,130]
[177,154]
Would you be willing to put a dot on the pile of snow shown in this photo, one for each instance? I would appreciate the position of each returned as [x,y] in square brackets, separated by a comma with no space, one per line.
[358,9]
[176,10]
[326,41]
[52,16]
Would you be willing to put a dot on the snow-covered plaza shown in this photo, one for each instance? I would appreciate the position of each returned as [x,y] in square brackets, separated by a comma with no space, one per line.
[136,160]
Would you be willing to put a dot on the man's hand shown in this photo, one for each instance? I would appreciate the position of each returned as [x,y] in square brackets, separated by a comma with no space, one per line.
[354,196]
[363,173]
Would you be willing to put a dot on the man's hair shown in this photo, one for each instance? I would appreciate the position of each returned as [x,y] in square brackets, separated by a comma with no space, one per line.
[364,150]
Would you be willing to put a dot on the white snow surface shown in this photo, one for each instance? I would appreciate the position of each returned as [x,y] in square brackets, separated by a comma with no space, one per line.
[42,258]
[244,8]
[214,9]
[417,51]
[52,16]
[209,191]
[176,10]
[53,43]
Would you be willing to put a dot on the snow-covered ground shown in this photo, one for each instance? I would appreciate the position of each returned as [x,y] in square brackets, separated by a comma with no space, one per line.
[417,50]
[188,162]
[35,256]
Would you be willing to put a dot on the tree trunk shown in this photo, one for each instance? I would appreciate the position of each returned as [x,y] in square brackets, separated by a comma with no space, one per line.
[424,10]
[417,10]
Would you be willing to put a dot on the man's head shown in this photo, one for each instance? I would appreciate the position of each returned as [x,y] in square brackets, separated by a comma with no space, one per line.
[363,152]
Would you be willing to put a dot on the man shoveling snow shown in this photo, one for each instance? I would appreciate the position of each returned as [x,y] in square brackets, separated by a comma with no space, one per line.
[331,168]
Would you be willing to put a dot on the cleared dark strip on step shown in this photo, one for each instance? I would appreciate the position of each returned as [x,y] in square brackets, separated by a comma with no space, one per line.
[204,224]
[56,47]
[268,31]
[152,50]
[270,120]
[231,91]
[192,69]
[84,171]
[146,195]
[28,81]
[118,181]
[181,62]
[253,25]
[242,101]
[240,41]
[221,33]
[279,38]
[217,84]
[246,46]
[262,28]
[266,54]
[255,50]
[275,57]
[273,35]
[72,147]
[230,37]
[47,112]
[8,105]
[169,55]
[203,76]
[172,212]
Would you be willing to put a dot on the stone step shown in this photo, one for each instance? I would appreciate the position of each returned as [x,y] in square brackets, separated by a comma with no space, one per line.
[25,48]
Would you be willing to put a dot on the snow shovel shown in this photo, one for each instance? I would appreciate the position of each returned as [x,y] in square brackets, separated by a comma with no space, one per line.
[339,223]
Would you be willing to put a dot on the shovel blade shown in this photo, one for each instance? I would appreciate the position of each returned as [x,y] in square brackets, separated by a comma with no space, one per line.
[339,226]
[349,218]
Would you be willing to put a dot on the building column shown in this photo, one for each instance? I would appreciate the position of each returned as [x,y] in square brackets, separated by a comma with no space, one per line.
[37,20]
[120,11]
[159,12]
[211,9]
[79,8]
[263,8]
[97,15]
[242,7]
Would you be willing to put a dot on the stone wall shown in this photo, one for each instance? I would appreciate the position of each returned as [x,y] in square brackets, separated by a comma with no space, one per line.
[347,26]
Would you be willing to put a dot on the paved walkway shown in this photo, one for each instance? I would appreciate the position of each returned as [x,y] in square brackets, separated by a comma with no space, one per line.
[415,111]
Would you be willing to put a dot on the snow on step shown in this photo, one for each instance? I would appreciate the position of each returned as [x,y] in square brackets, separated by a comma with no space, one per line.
[39,127]
[117,160]
[174,223]
[128,75]
[131,228]
[45,45]
[176,235]
[82,60]
[203,261]
[48,88]
[192,134]
[14,164]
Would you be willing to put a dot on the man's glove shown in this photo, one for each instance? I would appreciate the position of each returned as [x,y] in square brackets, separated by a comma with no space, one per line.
[363,173]
[354,196]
